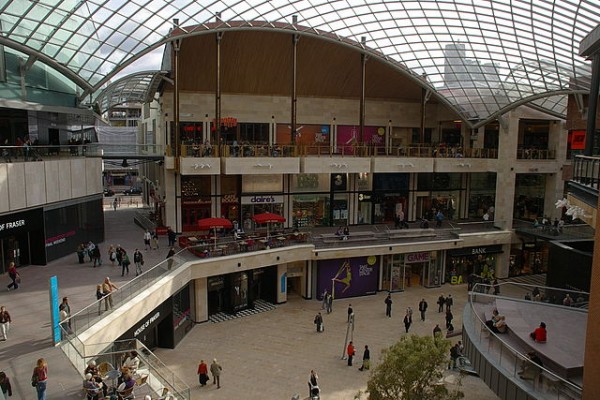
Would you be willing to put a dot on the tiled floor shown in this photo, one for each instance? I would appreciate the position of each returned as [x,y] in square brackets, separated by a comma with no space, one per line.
[265,356]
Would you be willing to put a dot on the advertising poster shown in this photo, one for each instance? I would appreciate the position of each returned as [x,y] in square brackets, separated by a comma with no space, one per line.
[349,277]
[348,137]
[317,135]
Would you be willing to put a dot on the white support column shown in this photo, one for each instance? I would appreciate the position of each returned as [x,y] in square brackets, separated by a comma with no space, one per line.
[201,299]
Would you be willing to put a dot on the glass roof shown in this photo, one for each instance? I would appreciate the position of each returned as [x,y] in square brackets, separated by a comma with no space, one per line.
[480,56]
[139,87]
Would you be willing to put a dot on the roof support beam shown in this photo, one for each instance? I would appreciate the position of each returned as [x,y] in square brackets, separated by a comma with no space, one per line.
[580,106]
[46,60]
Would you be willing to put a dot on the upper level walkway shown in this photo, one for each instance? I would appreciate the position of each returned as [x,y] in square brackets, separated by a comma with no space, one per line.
[506,354]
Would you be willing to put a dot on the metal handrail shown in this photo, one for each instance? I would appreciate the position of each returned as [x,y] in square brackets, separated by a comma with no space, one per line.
[478,292]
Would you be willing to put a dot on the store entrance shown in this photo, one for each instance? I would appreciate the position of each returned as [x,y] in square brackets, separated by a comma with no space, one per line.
[14,249]
[413,274]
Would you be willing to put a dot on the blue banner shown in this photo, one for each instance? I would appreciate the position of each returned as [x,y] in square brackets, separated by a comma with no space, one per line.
[55,318]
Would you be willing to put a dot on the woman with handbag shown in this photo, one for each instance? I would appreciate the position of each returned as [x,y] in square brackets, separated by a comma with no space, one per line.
[14,276]
[39,378]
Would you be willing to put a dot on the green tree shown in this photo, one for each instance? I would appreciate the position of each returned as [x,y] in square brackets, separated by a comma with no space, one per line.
[412,369]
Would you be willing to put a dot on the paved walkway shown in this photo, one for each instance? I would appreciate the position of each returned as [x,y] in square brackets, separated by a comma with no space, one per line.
[264,356]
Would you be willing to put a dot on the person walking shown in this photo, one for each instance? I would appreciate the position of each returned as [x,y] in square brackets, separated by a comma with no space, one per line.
[441,302]
[5,385]
[449,302]
[125,262]
[115,203]
[147,238]
[449,318]
[215,370]
[202,373]
[329,303]
[154,240]
[171,235]
[99,296]
[437,331]
[324,305]
[138,260]
[14,276]
[407,321]
[350,312]
[170,260]
[107,289]
[350,351]
[366,363]
[388,306]
[319,322]
[64,306]
[4,323]
[112,255]
[313,384]
[40,378]
[422,308]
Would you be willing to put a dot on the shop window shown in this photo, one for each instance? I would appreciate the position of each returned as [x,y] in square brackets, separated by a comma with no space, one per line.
[310,210]
[254,133]
[529,196]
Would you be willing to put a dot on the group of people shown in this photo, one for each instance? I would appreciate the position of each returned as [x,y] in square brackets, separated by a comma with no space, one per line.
[343,232]
[215,370]
[92,251]
[104,292]
[366,358]
[497,323]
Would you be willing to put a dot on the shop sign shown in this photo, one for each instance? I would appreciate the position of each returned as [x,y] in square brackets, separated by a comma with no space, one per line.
[268,199]
[456,280]
[12,224]
[476,251]
[529,245]
[364,197]
[59,238]
[417,257]
[16,223]
[146,324]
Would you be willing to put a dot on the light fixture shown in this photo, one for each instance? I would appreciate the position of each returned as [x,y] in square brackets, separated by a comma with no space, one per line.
[124,164]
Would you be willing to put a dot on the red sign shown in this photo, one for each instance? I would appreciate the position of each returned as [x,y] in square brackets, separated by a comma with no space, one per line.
[228,122]
[577,140]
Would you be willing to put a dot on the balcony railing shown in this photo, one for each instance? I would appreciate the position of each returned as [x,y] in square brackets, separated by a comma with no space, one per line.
[536,154]
[586,171]
[154,376]
[263,150]
[507,357]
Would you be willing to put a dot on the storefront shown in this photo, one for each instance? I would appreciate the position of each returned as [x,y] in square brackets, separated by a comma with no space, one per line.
[167,324]
[22,239]
[348,277]
[238,291]
[413,269]
[463,262]
[311,200]
[296,284]
[531,258]
[196,200]
[390,195]
[69,224]
[260,194]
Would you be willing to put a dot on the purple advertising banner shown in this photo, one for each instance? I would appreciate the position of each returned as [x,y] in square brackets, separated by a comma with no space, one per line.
[348,277]
[348,137]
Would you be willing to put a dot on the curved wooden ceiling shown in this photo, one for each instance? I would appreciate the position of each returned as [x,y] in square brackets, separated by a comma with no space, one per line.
[260,62]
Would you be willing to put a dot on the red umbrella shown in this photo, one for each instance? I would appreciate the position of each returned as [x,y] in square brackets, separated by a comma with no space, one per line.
[207,224]
[267,218]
